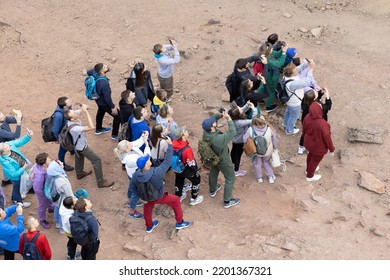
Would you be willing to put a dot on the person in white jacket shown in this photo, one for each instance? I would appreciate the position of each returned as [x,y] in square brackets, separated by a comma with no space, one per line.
[166,64]
[128,153]
[66,211]
[295,89]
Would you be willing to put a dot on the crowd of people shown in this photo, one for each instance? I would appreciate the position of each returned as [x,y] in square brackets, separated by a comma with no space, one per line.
[150,142]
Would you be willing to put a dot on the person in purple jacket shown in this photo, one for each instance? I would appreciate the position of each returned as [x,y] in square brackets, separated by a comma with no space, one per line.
[38,174]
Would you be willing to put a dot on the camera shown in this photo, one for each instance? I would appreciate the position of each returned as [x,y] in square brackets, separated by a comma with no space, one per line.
[221,110]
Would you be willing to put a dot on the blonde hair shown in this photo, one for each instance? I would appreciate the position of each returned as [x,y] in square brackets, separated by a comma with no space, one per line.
[121,148]
[260,121]
[28,222]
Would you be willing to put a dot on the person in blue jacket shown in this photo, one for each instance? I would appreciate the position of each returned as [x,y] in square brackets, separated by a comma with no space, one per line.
[138,124]
[14,163]
[63,104]
[10,233]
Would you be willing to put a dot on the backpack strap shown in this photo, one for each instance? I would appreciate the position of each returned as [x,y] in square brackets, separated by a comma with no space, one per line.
[180,152]
[70,127]
[35,238]
[287,90]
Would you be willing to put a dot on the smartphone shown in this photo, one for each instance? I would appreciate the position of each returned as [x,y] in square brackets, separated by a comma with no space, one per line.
[28,130]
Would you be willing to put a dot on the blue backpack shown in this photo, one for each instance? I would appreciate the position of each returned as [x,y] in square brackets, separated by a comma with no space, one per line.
[177,164]
[90,87]
[30,250]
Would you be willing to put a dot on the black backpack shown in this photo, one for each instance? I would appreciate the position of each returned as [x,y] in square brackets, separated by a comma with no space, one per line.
[47,128]
[30,249]
[147,192]
[281,91]
[233,86]
[79,228]
[65,138]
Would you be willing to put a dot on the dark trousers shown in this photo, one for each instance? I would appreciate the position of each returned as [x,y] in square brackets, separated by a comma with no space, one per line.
[71,247]
[9,255]
[16,191]
[193,176]
[102,110]
[236,153]
[93,158]
[312,162]
[89,251]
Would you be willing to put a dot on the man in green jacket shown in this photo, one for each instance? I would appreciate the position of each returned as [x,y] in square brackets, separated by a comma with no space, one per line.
[219,144]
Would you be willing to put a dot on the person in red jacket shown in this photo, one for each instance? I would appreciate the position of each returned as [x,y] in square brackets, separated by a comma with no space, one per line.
[42,243]
[316,132]
[191,171]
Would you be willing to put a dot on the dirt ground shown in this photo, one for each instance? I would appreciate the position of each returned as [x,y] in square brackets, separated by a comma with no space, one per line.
[45,45]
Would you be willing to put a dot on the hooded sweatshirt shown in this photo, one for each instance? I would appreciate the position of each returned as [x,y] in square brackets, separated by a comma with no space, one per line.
[166,62]
[187,156]
[57,173]
[9,233]
[316,132]
[130,159]
[65,214]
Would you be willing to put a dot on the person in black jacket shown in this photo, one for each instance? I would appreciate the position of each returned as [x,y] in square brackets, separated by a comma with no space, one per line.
[126,105]
[140,82]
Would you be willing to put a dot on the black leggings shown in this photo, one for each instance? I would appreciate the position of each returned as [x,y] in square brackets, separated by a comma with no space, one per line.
[236,154]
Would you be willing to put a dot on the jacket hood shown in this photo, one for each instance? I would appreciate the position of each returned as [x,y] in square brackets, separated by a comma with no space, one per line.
[315,111]
[38,170]
[208,135]
[178,144]
[143,176]
[55,169]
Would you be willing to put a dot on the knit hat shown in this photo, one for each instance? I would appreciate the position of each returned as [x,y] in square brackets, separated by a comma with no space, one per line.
[141,162]
[291,52]
[179,132]
[208,123]
[81,193]
[98,67]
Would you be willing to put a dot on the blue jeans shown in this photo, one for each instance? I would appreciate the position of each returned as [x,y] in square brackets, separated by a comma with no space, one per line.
[57,216]
[133,196]
[16,191]
[290,117]
[61,154]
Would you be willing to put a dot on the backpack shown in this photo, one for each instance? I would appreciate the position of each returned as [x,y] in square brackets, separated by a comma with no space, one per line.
[260,142]
[233,86]
[50,189]
[65,138]
[156,161]
[79,228]
[123,132]
[207,155]
[177,164]
[281,91]
[47,128]
[30,249]
[147,192]
[90,87]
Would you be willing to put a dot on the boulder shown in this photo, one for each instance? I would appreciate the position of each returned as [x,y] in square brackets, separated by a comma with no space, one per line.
[316,32]
[370,182]
[371,134]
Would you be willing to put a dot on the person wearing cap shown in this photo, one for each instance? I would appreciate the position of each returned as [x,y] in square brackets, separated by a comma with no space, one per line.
[219,143]
[140,82]
[14,164]
[82,149]
[290,54]
[166,65]
[155,176]
[10,233]
[104,102]
[191,170]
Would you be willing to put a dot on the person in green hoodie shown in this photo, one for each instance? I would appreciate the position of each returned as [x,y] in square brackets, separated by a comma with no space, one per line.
[219,144]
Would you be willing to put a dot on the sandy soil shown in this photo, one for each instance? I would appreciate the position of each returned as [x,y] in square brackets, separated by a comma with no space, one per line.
[45,45]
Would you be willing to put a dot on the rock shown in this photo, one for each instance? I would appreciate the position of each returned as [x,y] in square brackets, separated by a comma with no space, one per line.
[213,21]
[384,86]
[290,247]
[370,134]
[200,72]
[377,232]
[316,32]
[207,57]
[262,10]
[303,30]
[225,96]
[319,199]
[113,60]
[328,7]
[370,182]
[108,49]
[318,42]
[264,29]
[344,155]
[195,47]
[305,206]
[134,250]
[329,3]
[84,72]
[287,15]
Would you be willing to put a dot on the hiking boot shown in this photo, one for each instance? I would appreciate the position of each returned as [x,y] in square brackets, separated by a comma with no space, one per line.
[197,200]
[5,183]
[102,130]
[272,179]
[187,187]
[114,138]
[45,224]
[314,178]
[183,196]
[240,173]
[68,167]
[295,131]
[271,108]
[214,193]
[83,174]
[232,202]
[150,229]
[182,225]
[260,180]
[105,184]
[301,150]
[136,215]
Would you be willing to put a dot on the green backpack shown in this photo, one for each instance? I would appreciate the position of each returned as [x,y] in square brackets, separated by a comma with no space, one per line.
[208,157]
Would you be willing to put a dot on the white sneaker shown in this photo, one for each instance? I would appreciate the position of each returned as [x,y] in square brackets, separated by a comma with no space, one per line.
[295,131]
[301,150]
[23,195]
[314,178]
[272,179]
[260,180]
[26,204]
[240,173]
[187,187]
[183,196]
[317,168]
[197,200]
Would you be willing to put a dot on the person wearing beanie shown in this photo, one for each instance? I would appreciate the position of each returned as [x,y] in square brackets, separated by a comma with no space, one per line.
[10,233]
[104,102]
[155,176]
[219,143]
[166,65]
[290,54]
[191,170]
[81,193]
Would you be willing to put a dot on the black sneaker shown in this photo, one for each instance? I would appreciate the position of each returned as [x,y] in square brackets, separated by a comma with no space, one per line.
[5,183]
[271,108]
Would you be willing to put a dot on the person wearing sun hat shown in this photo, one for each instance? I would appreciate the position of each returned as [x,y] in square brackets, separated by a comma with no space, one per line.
[155,176]
[219,143]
